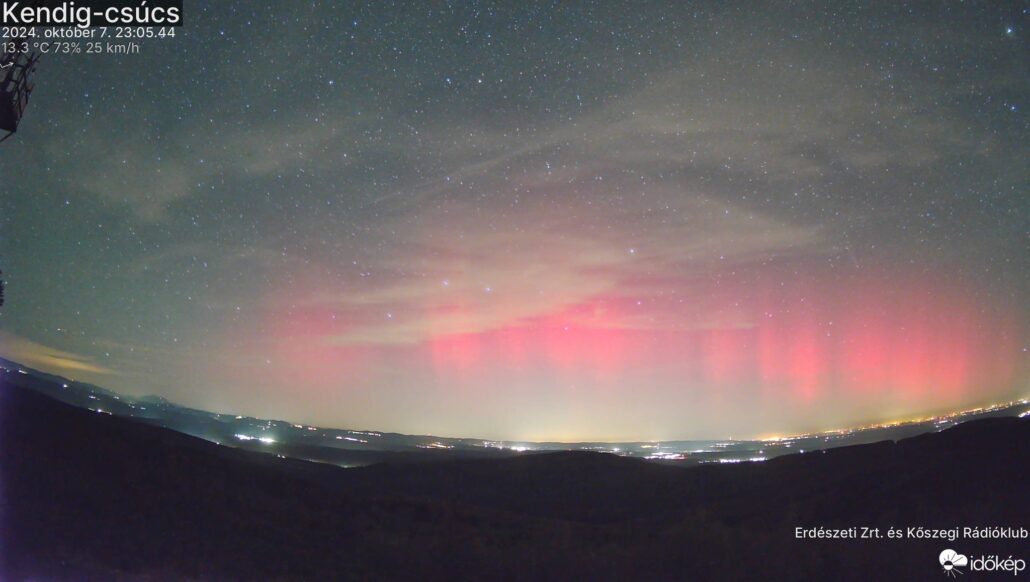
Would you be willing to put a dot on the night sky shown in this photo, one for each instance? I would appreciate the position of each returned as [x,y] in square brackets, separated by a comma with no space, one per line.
[516,220]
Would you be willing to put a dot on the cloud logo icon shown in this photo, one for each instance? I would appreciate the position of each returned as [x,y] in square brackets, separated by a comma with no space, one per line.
[950,560]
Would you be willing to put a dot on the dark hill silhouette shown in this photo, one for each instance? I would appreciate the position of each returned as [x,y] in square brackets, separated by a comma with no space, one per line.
[89,496]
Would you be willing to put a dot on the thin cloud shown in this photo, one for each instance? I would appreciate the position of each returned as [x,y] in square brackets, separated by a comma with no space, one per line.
[48,359]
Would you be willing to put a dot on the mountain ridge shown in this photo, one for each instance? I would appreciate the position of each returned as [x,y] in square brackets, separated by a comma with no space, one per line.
[93,496]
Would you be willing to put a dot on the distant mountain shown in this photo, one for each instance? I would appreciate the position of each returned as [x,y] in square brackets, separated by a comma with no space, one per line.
[155,400]
[352,448]
[88,496]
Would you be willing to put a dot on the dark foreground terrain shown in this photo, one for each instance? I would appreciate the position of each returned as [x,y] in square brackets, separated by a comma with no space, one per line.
[87,496]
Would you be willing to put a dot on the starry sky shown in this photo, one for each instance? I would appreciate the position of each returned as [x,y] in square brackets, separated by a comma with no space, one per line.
[525,220]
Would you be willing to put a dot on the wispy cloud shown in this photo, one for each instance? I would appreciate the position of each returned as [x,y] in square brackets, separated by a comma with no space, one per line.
[148,172]
[47,358]
[436,280]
